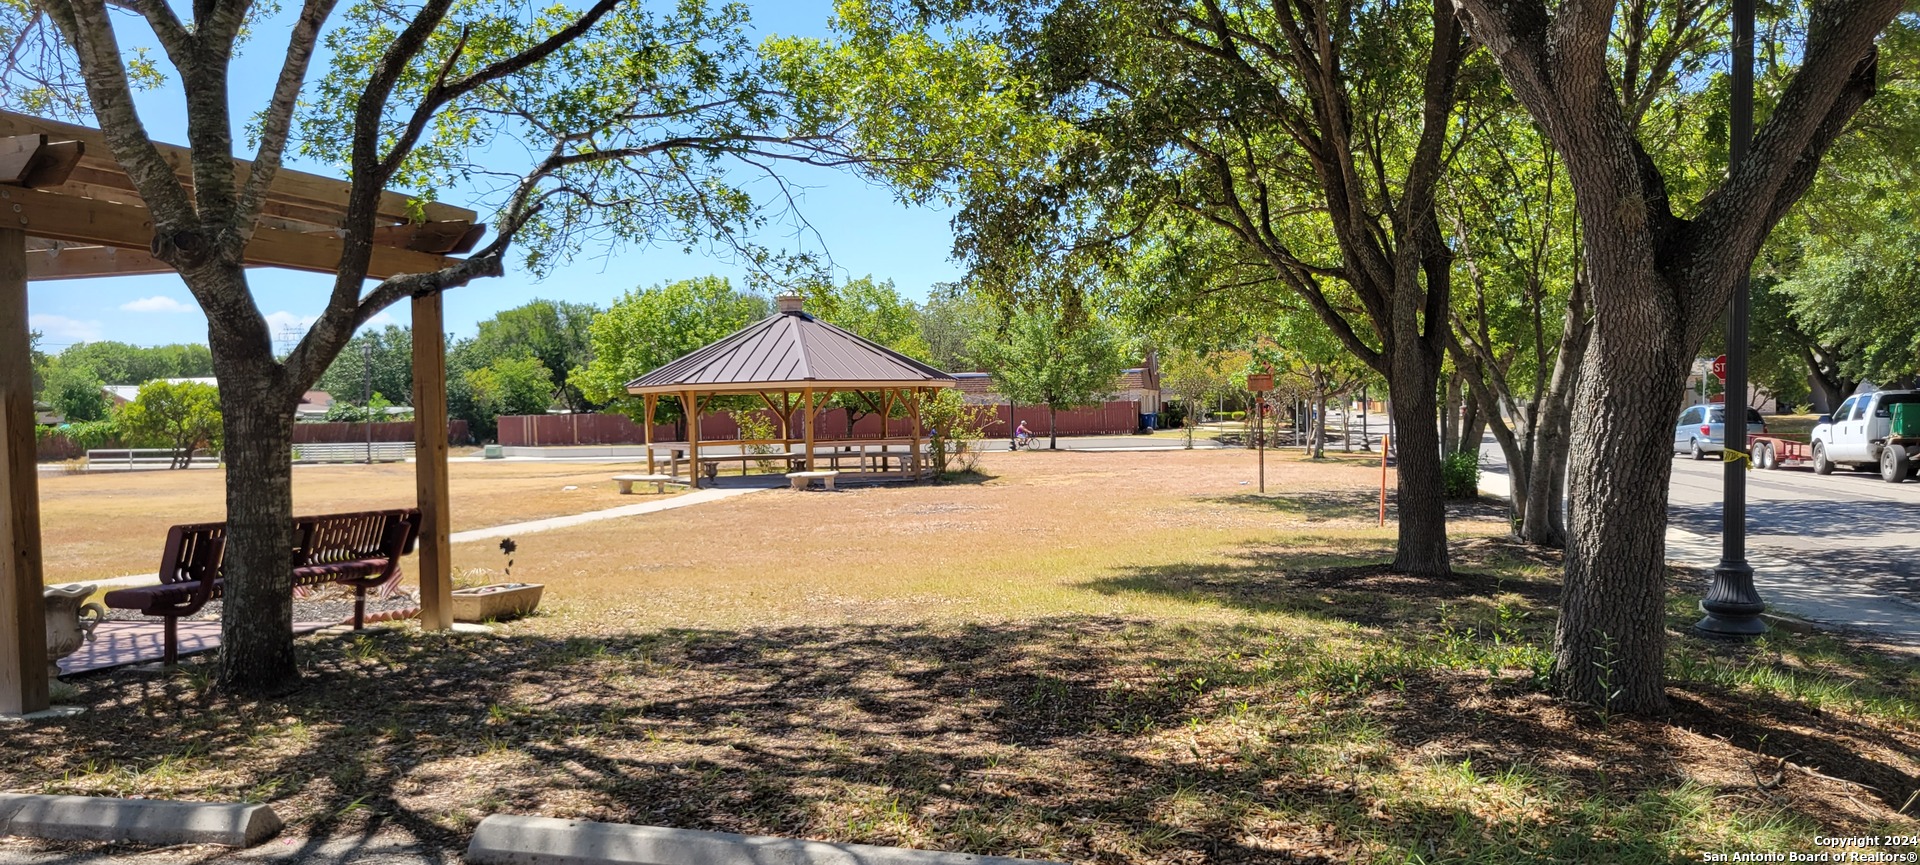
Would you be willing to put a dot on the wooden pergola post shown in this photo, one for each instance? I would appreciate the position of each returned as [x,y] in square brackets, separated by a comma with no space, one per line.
[646,427]
[23,638]
[430,461]
[691,405]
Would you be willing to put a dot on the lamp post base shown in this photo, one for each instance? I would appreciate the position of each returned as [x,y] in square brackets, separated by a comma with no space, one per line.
[1732,605]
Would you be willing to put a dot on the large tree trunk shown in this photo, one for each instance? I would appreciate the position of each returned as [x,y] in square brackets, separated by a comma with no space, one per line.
[256,627]
[1422,494]
[1453,420]
[1827,386]
[1053,436]
[1319,432]
[1609,647]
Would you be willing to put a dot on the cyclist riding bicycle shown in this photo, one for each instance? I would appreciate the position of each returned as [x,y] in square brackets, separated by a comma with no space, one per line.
[1022,437]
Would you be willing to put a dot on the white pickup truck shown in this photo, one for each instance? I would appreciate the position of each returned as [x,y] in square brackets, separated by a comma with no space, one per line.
[1860,434]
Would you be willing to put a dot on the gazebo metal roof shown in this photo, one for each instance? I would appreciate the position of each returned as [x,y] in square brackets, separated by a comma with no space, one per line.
[789,350]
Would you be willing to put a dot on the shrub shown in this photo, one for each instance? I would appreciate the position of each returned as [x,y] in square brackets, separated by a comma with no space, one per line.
[1460,475]
[955,431]
[1236,415]
[755,425]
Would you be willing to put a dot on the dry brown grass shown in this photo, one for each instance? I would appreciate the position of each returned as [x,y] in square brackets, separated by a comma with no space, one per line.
[108,524]
[1020,542]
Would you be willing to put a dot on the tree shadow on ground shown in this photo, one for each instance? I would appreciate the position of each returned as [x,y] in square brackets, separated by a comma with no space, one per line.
[1326,585]
[1361,505]
[1078,738]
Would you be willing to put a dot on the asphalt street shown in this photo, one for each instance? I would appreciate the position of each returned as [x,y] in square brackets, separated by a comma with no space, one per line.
[1848,523]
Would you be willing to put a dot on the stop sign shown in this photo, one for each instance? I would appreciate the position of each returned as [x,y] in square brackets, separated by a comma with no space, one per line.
[1720,367]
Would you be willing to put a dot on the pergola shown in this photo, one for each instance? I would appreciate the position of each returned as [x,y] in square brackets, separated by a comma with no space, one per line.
[68,211]
[803,362]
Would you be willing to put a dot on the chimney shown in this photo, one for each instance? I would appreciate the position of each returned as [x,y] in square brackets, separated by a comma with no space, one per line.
[790,303]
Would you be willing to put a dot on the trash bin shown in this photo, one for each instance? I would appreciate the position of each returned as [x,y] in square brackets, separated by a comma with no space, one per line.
[493,452]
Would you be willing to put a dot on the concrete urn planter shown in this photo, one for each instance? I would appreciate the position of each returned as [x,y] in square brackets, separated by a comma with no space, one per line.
[69,622]
[497,602]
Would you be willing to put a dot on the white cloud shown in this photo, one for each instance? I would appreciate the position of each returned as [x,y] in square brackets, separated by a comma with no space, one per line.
[156,303]
[380,319]
[61,328]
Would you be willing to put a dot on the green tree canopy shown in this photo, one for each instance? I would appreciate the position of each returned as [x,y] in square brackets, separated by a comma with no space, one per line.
[555,332]
[74,391]
[647,328]
[512,386]
[386,352]
[1055,356]
[183,416]
[948,321]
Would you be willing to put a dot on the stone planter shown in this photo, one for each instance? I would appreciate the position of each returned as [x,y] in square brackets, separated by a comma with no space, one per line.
[495,603]
[69,622]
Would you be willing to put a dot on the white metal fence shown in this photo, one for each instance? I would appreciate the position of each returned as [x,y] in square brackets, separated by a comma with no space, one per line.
[136,459]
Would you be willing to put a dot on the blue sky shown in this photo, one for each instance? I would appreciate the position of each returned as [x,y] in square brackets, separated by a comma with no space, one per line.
[859,225]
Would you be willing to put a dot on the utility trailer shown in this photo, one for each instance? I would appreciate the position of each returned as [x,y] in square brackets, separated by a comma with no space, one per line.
[1778,452]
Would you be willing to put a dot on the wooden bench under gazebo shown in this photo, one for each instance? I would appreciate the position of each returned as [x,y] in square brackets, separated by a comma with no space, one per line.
[794,363]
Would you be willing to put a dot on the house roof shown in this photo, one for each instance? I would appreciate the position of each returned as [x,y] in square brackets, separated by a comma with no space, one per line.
[788,350]
[129,392]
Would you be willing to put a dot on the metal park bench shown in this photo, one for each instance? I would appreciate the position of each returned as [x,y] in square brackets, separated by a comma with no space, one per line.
[361,550]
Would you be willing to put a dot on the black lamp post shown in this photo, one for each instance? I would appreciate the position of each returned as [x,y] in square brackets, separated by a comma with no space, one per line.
[1732,605]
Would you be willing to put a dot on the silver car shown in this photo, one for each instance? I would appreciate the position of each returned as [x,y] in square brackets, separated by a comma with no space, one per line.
[1701,430]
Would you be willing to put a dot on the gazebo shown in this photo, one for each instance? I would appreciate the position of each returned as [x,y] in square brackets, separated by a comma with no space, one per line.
[793,361]
[67,210]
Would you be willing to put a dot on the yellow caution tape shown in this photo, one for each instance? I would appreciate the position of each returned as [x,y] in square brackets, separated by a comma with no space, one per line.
[1733,456]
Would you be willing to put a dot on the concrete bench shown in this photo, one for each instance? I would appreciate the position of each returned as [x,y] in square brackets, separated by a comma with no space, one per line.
[659,482]
[801,480]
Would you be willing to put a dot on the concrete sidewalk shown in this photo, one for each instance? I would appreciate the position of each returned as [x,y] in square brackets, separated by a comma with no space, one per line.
[1791,586]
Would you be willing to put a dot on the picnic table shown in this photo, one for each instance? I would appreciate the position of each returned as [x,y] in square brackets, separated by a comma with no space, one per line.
[864,455]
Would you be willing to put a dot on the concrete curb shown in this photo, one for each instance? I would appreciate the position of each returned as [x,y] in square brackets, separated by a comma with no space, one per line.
[138,821]
[509,840]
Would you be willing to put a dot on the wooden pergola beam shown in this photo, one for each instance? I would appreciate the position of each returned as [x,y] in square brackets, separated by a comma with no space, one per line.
[289,186]
[80,262]
[52,216]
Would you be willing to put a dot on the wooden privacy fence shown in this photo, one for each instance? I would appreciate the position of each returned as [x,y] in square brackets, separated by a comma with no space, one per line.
[552,430]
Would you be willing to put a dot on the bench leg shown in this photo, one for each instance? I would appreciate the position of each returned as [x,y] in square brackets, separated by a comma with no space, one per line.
[626,487]
[171,656]
[359,607]
[827,482]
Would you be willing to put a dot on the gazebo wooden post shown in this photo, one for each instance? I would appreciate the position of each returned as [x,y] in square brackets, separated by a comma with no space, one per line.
[913,411]
[691,405]
[430,461]
[646,427]
[23,637]
[806,397]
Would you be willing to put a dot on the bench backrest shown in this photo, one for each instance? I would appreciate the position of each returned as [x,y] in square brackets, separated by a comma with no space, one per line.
[195,551]
[329,538]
